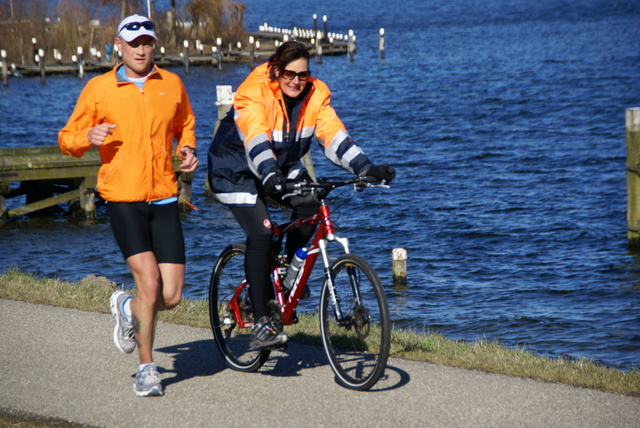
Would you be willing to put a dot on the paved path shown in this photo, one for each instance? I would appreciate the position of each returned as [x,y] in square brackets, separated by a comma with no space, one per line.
[61,363]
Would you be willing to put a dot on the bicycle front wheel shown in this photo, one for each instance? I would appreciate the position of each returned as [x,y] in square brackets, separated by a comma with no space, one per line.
[355,328]
[229,301]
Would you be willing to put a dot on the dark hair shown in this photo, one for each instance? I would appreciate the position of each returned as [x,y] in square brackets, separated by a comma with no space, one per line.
[286,53]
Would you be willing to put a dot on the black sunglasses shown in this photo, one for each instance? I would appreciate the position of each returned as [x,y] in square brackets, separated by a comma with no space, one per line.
[290,75]
[135,26]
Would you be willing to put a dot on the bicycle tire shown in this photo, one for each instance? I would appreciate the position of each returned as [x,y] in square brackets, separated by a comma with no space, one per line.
[232,341]
[357,345]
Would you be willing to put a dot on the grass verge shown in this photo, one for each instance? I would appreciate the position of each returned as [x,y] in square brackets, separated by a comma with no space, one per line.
[92,294]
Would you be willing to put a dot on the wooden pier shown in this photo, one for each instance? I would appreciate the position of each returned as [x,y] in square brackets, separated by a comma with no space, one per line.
[197,58]
[48,178]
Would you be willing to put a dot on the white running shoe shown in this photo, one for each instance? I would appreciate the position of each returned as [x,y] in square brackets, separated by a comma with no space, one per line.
[123,336]
[147,383]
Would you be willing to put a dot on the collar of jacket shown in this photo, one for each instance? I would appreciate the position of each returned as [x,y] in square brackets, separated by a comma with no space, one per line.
[119,78]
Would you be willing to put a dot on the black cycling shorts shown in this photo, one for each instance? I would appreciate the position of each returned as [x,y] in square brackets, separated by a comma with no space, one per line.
[140,226]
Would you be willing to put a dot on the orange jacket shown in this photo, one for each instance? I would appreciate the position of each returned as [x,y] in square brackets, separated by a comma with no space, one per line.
[257,137]
[260,115]
[137,157]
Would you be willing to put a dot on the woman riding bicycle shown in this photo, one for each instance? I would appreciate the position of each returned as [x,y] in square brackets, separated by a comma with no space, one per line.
[276,112]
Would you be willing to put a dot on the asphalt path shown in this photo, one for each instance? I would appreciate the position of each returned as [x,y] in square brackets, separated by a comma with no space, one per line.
[61,363]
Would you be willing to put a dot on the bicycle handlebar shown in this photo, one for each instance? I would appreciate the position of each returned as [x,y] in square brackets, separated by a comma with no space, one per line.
[323,186]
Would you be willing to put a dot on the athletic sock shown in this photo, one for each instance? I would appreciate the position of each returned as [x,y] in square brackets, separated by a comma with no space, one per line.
[126,308]
[142,366]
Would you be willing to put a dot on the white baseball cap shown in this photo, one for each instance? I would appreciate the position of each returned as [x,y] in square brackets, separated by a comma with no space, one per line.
[135,26]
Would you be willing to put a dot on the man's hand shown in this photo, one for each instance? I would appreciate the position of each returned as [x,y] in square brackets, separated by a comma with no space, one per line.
[98,133]
[189,159]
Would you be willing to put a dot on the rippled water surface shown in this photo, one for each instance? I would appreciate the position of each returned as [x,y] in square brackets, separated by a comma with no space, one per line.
[505,121]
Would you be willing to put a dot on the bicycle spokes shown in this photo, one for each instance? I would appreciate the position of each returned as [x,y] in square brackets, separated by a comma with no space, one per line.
[354,323]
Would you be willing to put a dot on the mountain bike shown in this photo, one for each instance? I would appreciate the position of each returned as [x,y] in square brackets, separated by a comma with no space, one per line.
[353,310]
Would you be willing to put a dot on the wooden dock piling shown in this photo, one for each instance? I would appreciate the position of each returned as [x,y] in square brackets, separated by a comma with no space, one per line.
[40,56]
[5,69]
[351,45]
[186,56]
[252,52]
[80,64]
[399,267]
[219,52]
[632,119]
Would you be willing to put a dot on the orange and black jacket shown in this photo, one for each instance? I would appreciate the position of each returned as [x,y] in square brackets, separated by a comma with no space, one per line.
[258,136]
[137,157]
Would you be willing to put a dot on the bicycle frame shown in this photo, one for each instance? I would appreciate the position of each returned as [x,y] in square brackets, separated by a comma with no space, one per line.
[325,232]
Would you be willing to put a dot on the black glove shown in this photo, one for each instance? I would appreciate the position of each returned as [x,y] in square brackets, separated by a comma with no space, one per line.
[381,173]
[273,184]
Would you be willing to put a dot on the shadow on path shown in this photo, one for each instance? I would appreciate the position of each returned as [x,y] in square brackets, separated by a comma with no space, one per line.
[202,358]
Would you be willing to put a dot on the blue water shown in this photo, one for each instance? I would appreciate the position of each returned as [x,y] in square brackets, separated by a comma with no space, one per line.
[505,121]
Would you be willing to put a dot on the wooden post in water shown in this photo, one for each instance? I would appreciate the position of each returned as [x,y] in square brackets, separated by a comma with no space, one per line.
[382,43]
[224,95]
[34,49]
[219,52]
[80,63]
[324,20]
[399,267]
[87,197]
[43,79]
[318,47]
[5,69]
[252,52]
[632,119]
[186,56]
[351,45]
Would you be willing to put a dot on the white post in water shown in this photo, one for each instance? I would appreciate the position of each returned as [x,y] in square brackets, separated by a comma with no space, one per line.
[318,35]
[324,22]
[399,266]
[186,56]
[252,52]
[80,63]
[632,118]
[382,43]
[43,79]
[5,69]
[351,45]
[219,52]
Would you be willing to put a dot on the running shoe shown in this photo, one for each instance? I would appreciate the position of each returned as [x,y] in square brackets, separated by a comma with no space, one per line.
[123,336]
[265,334]
[147,383]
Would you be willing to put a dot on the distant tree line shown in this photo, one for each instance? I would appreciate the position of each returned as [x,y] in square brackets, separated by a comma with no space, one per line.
[67,24]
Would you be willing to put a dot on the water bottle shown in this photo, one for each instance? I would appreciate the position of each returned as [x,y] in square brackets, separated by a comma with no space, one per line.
[294,267]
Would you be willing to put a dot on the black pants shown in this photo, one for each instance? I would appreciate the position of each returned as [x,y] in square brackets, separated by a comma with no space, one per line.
[256,224]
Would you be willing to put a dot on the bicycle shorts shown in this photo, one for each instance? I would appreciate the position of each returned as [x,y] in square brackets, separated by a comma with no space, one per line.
[140,227]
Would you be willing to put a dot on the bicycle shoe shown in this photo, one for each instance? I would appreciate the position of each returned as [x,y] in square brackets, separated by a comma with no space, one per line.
[264,334]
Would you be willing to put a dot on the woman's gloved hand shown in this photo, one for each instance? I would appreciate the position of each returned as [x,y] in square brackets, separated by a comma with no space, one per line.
[384,173]
[273,183]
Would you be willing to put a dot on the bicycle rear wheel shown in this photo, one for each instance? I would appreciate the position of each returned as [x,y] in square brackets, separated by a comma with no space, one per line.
[357,341]
[233,341]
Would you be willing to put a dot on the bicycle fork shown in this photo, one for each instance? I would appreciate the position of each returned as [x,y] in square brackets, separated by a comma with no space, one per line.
[322,245]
